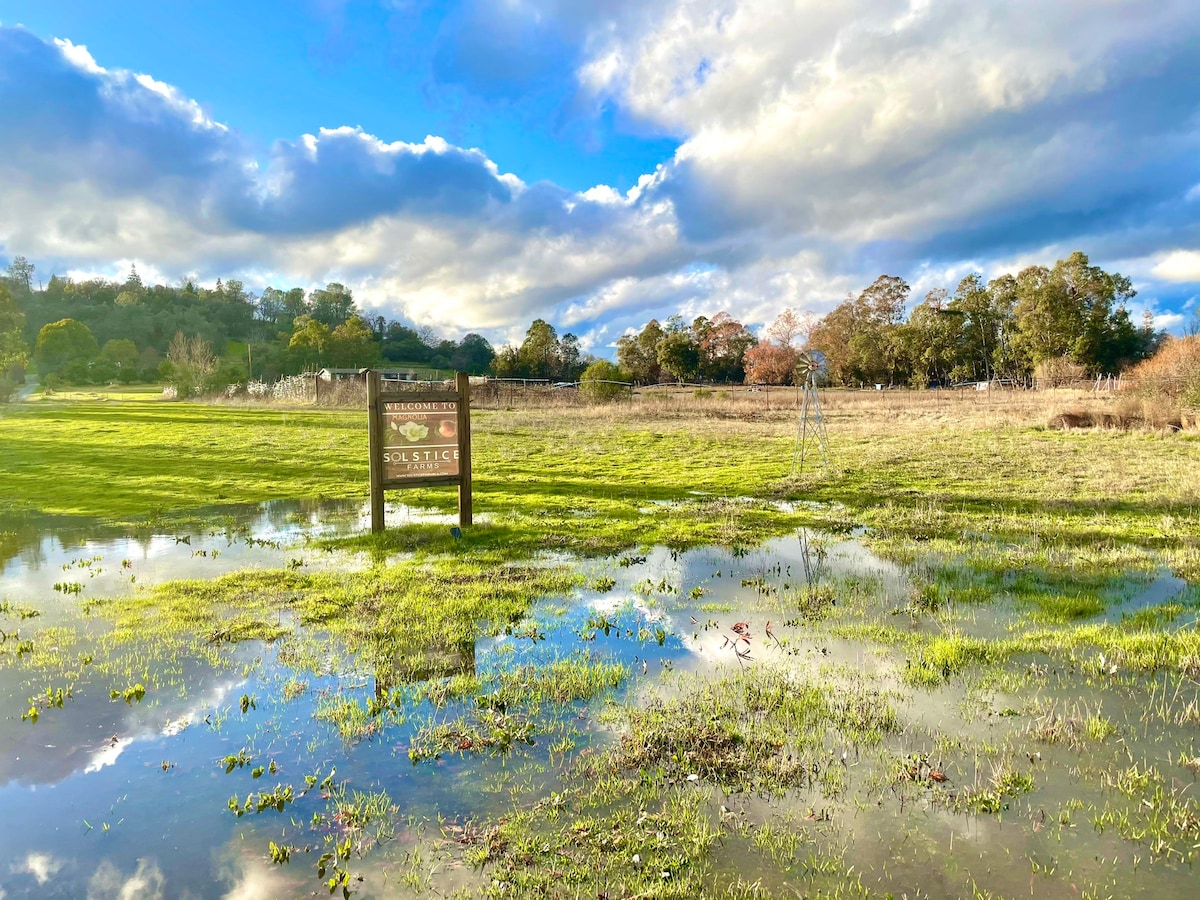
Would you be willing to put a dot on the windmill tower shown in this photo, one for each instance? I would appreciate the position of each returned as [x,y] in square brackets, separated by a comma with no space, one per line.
[810,432]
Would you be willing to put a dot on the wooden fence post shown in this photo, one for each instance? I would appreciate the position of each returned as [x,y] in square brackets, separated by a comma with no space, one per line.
[462,383]
[375,441]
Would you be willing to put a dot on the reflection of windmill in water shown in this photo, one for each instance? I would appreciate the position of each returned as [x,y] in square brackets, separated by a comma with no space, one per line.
[810,433]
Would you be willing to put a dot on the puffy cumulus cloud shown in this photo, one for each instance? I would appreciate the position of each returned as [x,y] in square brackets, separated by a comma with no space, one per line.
[822,144]
[1179,265]
[94,162]
[950,126]
[344,175]
[68,124]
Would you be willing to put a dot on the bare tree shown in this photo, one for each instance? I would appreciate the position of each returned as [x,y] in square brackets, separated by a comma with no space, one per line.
[790,325]
[192,364]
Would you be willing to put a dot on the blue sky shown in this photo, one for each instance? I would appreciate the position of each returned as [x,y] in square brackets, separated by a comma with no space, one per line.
[473,165]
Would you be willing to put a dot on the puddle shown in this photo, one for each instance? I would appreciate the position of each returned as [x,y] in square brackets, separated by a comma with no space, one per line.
[92,560]
[1164,589]
[137,797]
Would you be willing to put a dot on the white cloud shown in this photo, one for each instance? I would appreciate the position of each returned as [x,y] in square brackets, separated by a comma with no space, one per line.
[1168,321]
[821,144]
[1179,266]
[877,119]
[79,56]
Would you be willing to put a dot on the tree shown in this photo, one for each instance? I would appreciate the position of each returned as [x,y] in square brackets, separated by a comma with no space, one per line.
[770,363]
[597,381]
[309,341]
[332,305]
[1072,311]
[858,336]
[474,355]
[569,356]
[638,353]
[538,355]
[270,307]
[774,360]
[789,326]
[404,344]
[981,332]
[133,282]
[190,364]
[507,364]
[722,342]
[352,344]
[20,276]
[929,340]
[62,345]
[122,353]
[14,353]
[1005,358]
[679,356]
[884,300]
[294,305]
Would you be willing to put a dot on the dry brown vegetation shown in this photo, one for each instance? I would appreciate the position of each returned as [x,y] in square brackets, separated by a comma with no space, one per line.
[1160,394]
[1174,371]
[856,411]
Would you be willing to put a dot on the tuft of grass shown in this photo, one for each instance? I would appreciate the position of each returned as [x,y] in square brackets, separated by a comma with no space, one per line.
[760,730]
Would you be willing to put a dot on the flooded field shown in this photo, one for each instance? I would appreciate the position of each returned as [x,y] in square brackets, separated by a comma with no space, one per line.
[795,717]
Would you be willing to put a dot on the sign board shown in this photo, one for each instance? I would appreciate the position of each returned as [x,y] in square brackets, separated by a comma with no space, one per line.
[419,439]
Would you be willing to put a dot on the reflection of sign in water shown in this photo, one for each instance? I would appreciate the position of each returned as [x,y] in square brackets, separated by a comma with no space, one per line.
[411,664]
[420,439]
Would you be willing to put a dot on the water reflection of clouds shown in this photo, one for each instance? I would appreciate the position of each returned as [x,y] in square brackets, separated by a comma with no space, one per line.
[253,878]
[110,883]
[102,558]
[108,754]
[249,877]
[42,866]
[26,756]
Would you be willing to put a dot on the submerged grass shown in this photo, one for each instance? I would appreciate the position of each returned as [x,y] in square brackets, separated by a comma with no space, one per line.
[645,816]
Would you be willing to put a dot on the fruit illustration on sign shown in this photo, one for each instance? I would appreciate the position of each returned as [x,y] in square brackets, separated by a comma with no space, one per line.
[412,431]
[447,429]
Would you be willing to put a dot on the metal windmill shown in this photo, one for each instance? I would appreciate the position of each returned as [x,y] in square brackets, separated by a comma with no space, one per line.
[810,433]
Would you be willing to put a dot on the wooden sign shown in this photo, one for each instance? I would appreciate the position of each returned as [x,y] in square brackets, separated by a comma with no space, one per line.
[419,439]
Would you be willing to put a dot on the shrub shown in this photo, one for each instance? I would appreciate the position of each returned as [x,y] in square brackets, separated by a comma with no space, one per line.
[190,364]
[1058,371]
[1173,372]
[597,382]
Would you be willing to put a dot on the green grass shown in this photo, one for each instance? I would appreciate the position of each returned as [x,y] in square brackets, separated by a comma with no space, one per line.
[559,478]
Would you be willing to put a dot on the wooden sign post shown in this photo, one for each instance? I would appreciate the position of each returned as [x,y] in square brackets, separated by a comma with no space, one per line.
[419,439]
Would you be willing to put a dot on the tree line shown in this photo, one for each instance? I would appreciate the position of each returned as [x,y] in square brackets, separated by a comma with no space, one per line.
[99,330]
[1071,315]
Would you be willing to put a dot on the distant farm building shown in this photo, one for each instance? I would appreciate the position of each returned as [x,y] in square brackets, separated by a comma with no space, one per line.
[331,374]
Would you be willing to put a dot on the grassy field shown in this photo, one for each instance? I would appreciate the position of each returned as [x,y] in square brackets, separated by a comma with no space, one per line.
[901,461]
[996,673]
